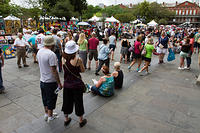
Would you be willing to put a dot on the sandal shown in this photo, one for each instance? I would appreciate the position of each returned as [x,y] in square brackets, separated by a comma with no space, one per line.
[66,123]
[83,123]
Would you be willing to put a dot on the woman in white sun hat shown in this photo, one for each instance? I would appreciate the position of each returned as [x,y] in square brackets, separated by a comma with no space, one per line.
[73,84]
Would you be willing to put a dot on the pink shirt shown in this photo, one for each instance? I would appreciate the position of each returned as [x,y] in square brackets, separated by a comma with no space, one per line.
[93,43]
[136,47]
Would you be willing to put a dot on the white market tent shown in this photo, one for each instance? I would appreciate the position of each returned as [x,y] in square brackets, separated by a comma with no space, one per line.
[152,23]
[94,19]
[11,17]
[83,24]
[136,21]
[141,25]
[111,19]
[74,19]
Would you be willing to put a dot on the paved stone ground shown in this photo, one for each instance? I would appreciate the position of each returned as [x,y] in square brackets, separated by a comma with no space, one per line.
[166,101]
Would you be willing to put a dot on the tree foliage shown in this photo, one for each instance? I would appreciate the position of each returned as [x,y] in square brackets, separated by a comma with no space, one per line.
[4,8]
[91,11]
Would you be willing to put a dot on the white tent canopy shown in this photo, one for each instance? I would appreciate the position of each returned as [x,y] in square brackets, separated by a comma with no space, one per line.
[111,19]
[11,17]
[83,24]
[152,23]
[136,21]
[94,19]
[74,19]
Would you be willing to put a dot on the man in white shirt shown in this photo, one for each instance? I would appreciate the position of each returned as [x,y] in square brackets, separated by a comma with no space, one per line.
[40,39]
[21,51]
[49,78]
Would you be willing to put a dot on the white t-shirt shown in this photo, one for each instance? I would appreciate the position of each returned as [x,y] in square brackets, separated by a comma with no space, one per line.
[40,41]
[20,42]
[112,40]
[27,37]
[46,59]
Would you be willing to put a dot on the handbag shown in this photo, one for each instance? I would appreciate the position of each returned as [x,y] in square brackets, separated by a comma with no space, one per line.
[131,49]
[160,45]
[171,55]
[78,77]
[144,51]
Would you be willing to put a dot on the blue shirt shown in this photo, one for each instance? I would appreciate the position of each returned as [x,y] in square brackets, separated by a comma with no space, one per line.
[32,39]
[103,52]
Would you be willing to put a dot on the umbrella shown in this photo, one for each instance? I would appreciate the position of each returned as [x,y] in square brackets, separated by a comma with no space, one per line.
[83,23]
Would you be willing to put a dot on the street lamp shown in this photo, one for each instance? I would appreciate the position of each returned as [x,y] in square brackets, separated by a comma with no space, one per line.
[44,14]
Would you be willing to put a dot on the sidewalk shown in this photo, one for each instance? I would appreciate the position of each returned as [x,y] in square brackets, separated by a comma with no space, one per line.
[166,101]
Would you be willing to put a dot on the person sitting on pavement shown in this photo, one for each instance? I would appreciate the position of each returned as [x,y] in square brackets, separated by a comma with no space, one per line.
[103,56]
[118,76]
[147,57]
[105,85]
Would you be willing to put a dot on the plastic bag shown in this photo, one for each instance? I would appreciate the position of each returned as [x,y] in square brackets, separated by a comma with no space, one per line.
[171,55]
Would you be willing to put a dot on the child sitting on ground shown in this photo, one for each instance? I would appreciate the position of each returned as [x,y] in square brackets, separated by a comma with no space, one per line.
[118,76]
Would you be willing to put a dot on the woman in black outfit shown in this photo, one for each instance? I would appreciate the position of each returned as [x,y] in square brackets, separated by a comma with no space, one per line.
[73,84]
[118,76]
[124,49]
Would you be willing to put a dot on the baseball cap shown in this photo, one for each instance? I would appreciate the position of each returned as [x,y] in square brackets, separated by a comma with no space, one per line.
[49,41]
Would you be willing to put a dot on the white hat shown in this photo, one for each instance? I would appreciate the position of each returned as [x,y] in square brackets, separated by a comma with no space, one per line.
[49,41]
[71,47]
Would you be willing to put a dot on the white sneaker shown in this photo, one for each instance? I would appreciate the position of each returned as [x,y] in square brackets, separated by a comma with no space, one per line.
[187,68]
[55,116]
[45,117]
[139,71]
[180,68]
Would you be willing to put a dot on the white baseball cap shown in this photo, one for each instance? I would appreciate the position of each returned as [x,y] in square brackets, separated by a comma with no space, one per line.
[71,47]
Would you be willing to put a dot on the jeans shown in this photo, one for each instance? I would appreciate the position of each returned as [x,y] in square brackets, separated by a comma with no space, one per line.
[101,63]
[189,60]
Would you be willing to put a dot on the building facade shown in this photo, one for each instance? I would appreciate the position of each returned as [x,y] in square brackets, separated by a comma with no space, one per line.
[185,12]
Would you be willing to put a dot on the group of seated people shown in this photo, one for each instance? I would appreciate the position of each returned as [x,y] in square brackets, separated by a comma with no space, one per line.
[110,81]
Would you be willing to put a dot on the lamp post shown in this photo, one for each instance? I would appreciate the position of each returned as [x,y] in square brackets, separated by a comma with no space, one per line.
[44,14]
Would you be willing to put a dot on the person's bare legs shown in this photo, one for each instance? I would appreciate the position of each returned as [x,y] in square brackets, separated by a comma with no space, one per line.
[181,62]
[46,110]
[125,59]
[121,57]
[97,63]
[89,64]
[112,55]
[133,62]
[50,113]
[139,62]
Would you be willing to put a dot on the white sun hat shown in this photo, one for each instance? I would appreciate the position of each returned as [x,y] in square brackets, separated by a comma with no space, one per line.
[71,47]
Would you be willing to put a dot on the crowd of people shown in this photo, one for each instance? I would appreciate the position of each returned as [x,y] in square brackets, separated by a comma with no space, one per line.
[73,54]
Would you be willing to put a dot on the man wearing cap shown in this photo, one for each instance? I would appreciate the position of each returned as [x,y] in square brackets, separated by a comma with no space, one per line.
[20,44]
[93,53]
[49,78]
[32,43]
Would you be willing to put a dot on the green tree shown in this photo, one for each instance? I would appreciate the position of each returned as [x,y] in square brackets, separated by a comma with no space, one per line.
[112,10]
[79,5]
[4,7]
[91,11]
[125,17]
[162,21]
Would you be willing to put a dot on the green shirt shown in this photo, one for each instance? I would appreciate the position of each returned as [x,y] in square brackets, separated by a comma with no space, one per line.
[149,49]
[83,45]
[196,37]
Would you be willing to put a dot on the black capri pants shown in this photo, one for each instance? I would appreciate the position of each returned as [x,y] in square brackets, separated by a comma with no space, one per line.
[73,97]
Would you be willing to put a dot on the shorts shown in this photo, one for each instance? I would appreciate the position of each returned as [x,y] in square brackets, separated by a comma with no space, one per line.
[93,54]
[35,50]
[124,51]
[161,50]
[147,59]
[49,98]
[137,56]
[112,46]
[183,54]
[196,45]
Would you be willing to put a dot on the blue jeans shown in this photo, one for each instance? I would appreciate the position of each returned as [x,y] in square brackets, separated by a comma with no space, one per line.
[1,79]
[59,61]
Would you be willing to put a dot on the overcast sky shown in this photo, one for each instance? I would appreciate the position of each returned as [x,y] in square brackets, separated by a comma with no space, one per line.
[110,2]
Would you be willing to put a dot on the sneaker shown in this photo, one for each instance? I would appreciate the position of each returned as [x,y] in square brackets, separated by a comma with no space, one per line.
[66,123]
[187,68]
[180,68]
[96,74]
[26,65]
[45,117]
[55,116]
[88,88]
[19,66]
[147,73]
[138,69]
[129,67]
[83,123]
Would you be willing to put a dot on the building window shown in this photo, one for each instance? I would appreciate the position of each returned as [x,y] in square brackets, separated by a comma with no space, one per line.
[186,3]
[194,12]
[183,12]
[190,12]
[176,12]
[186,12]
[179,12]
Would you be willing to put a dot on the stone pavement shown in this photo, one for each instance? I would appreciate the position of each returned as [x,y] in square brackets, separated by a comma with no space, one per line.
[165,101]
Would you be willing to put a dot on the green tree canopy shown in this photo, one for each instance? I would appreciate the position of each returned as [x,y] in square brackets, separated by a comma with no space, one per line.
[4,8]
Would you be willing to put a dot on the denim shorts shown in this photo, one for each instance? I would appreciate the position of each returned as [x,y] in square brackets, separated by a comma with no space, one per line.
[49,98]
[183,54]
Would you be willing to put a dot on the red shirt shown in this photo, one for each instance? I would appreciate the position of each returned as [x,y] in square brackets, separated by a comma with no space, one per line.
[93,43]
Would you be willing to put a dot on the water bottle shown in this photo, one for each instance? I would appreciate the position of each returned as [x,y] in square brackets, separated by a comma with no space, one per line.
[57,90]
